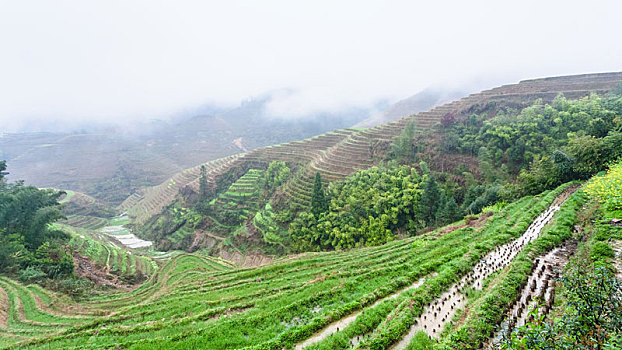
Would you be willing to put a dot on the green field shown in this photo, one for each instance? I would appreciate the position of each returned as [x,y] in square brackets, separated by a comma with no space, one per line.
[195,301]
[116,260]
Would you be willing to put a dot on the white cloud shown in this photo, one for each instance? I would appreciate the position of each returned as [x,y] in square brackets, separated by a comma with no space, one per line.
[119,60]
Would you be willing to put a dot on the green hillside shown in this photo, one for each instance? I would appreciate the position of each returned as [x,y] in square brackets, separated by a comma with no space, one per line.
[394,180]
[491,222]
[374,294]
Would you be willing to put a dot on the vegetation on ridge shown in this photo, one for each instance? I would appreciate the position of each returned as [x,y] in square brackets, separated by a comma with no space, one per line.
[29,247]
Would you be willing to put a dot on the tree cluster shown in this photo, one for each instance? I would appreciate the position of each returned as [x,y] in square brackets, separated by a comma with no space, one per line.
[370,208]
[27,241]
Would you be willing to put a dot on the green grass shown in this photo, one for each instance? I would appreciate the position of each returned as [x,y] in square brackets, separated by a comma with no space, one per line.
[101,252]
[193,301]
[67,197]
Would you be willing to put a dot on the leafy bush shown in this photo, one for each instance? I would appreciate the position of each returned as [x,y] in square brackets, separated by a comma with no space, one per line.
[601,251]
[32,274]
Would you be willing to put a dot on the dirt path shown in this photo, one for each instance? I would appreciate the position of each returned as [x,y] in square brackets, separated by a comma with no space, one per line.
[436,314]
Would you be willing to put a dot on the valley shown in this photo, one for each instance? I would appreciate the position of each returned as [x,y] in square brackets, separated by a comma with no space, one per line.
[463,227]
[310,175]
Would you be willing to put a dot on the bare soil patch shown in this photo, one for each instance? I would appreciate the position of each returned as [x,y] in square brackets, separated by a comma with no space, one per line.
[86,268]
[250,259]
[475,223]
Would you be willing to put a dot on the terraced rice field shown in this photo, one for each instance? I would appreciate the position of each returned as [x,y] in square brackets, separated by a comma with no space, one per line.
[240,200]
[88,222]
[30,311]
[244,191]
[144,204]
[124,236]
[366,298]
[110,258]
[436,314]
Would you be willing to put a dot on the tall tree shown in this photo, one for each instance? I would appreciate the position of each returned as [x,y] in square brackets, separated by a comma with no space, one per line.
[430,200]
[402,146]
[319,204]
[450,212]
[26,213]
[486,164]
[203,184]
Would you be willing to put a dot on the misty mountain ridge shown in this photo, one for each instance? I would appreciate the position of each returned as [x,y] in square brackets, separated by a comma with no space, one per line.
[419,102]
[111,160]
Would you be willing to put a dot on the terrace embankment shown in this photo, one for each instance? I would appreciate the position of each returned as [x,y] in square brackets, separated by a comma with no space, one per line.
[538,291]
[437,313]
[344,322]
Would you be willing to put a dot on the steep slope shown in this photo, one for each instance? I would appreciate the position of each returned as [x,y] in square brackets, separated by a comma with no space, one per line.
[420,102]
[340,153]
[111,162]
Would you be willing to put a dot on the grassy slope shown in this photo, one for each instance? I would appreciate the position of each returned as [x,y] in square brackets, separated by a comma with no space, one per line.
[194,300]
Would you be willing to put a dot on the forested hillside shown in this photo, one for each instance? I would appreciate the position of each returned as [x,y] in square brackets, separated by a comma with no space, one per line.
[383,187]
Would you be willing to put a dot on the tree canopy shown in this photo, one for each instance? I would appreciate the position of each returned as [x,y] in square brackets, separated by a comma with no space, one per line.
[318,198]
[26,237]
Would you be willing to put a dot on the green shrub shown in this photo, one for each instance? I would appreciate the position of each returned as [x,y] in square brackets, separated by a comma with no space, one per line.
[32,274]
[601,251]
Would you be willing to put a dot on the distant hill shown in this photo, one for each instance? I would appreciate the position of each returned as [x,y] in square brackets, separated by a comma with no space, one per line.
[112,163]
[422,101]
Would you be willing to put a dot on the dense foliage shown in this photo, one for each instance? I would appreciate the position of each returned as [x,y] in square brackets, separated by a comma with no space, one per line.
[276,174]
[371,206]
[27,242]
[518,153]
[544,145]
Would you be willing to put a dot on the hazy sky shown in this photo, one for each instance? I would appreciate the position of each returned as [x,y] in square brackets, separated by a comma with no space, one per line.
[120,60]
